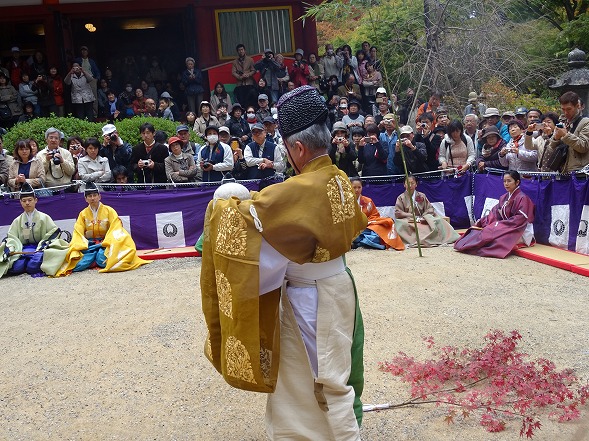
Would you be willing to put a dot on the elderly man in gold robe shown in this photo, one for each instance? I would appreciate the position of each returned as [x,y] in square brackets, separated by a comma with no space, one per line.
[279,302]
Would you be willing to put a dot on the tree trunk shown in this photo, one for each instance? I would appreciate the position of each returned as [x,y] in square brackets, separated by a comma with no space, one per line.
[433,18]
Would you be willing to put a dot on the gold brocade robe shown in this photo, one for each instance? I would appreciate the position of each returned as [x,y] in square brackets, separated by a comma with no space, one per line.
[120,251]
[312,217]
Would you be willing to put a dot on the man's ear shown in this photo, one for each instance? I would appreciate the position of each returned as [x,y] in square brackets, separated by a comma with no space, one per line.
[299,149]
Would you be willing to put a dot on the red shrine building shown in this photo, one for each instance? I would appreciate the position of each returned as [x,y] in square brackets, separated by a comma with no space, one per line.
[125,35]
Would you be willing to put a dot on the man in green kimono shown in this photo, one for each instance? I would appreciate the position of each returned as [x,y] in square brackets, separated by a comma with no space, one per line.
[279,302]
[32,245]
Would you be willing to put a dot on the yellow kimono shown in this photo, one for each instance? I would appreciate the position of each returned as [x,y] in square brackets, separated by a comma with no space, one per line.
[119,247]
[312,217]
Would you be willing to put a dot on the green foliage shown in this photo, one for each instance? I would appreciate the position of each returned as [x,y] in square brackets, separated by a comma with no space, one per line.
[35,129]
[504,98]
[128,129]
[517,41]
[577,32]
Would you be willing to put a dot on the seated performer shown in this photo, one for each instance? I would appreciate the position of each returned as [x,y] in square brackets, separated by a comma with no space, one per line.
[433,229]
[380,232]
[508,225]
[99,239]
[33,244]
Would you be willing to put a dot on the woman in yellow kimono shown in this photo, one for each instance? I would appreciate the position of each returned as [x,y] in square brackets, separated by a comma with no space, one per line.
[99,239]
[380,232]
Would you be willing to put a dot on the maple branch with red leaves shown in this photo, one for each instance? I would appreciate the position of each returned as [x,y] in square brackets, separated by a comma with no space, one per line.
[496,380]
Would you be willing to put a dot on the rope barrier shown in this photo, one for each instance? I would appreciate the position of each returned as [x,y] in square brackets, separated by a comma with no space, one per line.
[279,177]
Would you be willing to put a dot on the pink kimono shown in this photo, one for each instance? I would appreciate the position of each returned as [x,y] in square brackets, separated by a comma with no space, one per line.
[501,231]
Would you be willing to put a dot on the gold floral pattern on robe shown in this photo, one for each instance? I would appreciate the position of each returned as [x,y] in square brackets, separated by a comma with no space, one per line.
[205,231]
[224,293]
[341,209]
[238,360]
[265,362]
[232,234]
[208,347]
[321,255]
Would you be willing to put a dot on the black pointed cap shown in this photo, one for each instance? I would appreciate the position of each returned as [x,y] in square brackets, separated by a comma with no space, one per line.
[90,188]
[26,190]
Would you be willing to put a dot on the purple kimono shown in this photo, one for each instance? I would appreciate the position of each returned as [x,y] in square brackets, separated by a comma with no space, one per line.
[501,230]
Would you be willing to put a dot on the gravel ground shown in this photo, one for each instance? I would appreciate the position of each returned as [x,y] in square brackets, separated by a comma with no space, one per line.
[119,356]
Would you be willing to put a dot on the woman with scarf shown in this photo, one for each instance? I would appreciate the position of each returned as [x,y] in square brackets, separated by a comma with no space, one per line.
[250,116]
[508,226]
[515,155]
[433,229]
[492,145]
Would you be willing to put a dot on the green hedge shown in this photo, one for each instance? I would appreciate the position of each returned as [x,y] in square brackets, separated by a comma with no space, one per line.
[128,129]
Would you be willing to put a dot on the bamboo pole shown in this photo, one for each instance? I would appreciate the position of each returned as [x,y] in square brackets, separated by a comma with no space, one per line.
[407,188]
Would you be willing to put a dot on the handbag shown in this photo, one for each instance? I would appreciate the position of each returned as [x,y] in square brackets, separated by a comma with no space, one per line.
[558,158]
[5,113]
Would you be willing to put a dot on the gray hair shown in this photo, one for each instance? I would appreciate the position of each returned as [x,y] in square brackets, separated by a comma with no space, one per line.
[51,130]
[476,118]
[316,138]
[189,59]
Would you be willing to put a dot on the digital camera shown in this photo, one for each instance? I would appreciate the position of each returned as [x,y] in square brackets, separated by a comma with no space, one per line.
[55,160]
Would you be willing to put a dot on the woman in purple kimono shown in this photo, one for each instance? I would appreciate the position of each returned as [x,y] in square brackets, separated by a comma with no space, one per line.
[507,227]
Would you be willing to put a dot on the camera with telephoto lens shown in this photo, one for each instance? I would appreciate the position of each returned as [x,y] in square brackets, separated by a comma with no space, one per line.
[55,160]
[112,136]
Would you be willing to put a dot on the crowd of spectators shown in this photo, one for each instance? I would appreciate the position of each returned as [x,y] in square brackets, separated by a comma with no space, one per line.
[369,125]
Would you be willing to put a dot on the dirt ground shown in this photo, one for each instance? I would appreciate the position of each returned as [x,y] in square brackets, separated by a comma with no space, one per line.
[119,356]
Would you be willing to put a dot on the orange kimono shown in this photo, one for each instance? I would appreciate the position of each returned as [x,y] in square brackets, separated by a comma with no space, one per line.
[383,226]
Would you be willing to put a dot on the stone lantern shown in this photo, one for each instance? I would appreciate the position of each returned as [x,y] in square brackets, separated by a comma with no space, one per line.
[576,79]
